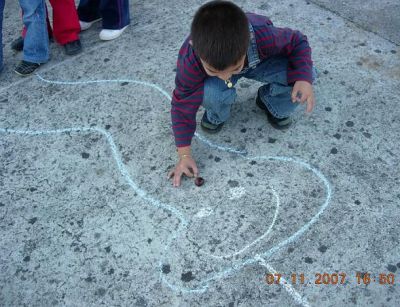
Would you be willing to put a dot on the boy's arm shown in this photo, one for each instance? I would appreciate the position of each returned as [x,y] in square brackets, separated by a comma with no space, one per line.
[186,100]
[293,44]
[187,96]
[184,107]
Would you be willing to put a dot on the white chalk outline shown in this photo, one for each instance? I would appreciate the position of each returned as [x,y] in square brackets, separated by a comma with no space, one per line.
[229,271]
[263,236]
[285,284]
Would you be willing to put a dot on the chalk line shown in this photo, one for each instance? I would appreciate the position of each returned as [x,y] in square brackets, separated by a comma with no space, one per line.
[117,157]
[285,284]
[149,84]
[203,212]
[262,237]
[156,203]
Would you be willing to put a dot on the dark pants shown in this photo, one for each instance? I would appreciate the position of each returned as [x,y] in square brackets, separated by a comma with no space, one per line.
[1,33]
[115,13]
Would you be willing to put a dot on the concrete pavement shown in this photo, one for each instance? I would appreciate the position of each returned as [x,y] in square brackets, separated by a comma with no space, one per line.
[87,217]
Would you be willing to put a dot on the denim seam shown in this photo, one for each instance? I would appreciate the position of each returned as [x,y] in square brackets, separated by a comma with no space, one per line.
[271,109]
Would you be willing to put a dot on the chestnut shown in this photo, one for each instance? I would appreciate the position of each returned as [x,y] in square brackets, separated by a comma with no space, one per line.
[199,181]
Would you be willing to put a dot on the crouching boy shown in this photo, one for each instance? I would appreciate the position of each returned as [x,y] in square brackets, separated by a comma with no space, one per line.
[224,45]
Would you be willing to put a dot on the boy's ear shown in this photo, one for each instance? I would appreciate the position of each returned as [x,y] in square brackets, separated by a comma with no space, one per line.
[191,43]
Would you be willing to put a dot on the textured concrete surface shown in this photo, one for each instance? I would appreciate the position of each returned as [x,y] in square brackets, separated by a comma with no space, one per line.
[87,217]
[380,17]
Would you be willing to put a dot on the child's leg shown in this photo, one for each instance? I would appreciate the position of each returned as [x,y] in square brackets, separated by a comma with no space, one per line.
[217,100]
[18,43]
[36,42]
[49,29]
[115,14]
[89,10]
[276,93]
[65,21]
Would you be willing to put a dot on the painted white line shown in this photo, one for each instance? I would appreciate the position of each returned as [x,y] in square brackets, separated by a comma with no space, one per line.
[285,284]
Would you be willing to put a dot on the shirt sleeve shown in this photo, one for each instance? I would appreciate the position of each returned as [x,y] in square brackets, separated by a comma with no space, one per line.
[187,96]
[273,41]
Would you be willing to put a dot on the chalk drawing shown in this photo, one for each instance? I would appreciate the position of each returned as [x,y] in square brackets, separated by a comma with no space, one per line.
[260,238]
[204,284]
[203,212]
[237,193]
[284,283]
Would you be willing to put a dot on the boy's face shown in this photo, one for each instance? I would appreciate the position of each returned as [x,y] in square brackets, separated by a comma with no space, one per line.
[224,74]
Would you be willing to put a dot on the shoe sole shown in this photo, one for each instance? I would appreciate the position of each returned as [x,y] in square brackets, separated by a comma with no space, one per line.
[110,38]
[277,126]
[24,75]
[74,52]
[211,131]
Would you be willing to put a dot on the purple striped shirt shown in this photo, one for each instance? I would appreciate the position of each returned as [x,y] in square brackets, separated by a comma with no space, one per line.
[190,75]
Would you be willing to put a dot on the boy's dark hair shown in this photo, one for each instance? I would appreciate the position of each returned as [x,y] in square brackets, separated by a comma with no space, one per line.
[220,33]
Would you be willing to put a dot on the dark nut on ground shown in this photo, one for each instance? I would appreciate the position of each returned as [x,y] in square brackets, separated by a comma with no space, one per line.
[199,181]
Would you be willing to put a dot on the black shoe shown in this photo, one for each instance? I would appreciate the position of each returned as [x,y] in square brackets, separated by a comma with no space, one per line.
[209,127]
[73,48]
[25,68]
[17,44]
[277,123]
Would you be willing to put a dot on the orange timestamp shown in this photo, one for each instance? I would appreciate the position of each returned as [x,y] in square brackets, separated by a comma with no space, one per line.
[331,278]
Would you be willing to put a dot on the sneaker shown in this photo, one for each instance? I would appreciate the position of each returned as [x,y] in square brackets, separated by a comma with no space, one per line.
[277,123]
[107,34]
[18,44]
[73,47]
[87,24]
[25,68]
[208,126]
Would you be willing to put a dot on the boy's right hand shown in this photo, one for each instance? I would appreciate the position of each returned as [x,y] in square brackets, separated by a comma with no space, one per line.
[187,166]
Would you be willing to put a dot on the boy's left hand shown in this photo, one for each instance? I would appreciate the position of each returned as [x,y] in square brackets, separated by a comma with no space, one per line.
[303,92]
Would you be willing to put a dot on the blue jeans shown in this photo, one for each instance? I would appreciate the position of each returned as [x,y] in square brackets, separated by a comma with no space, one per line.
[1,33]
[36,42]
[115,13]
[275,93]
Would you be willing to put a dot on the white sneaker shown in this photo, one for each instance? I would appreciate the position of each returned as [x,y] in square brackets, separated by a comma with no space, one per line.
[86,25]
[107,34]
